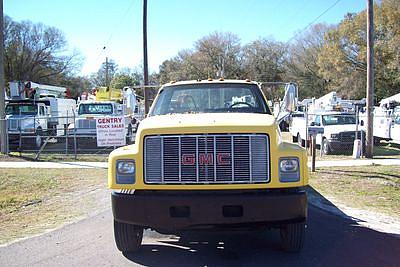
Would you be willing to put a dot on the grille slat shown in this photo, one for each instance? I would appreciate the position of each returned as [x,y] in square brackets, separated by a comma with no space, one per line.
[206,159]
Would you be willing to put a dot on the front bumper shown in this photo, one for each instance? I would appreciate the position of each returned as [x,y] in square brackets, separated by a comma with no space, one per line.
[182,210]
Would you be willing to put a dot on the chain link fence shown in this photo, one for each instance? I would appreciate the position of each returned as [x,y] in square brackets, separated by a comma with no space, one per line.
[69,135]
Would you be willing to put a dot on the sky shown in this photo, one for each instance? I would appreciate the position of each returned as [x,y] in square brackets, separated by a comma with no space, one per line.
[173,25]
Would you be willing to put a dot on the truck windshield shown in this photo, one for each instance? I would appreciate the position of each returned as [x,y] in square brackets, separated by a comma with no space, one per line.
[95,108]
[210,98]
[21,109]
[338,119]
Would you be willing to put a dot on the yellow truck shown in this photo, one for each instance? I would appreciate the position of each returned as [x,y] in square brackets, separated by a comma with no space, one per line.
[208,156]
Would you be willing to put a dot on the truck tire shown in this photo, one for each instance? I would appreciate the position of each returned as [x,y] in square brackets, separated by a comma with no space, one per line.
[128,237]
[325,147]
[300,141]
[129,134]
[292,236]
[38,138]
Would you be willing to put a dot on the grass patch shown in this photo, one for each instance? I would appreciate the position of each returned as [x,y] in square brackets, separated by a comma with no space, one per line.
[375,188]
[34,200]
[15,156]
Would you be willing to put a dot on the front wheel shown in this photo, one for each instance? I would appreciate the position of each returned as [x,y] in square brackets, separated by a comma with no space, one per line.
[38,138]
[325,147]
[128,237]
[300,141]
[292,236]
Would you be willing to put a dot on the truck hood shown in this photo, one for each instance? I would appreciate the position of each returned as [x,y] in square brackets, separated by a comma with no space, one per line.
[340,128]
[18,117]
[207,121]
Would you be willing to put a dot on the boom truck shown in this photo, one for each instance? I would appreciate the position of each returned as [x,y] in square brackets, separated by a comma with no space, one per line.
[36,110]
[386,120]
[209,155]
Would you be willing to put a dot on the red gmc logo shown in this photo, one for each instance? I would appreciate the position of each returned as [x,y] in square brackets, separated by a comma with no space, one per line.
[206,159]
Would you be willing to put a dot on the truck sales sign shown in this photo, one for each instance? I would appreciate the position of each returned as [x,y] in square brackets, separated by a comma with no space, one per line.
[110,131]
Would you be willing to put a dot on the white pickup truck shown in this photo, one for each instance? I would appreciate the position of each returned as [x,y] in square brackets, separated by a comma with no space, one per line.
[340,130]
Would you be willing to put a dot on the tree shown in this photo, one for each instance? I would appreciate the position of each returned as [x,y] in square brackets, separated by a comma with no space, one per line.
[36,52]
[302,62]
[213,55]
[99,78]
[121,80]
[343,56]
[218,52]
[264,60]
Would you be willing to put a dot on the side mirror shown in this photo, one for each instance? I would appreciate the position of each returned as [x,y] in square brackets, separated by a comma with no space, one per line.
[312,123]
[362,123]
[290,98]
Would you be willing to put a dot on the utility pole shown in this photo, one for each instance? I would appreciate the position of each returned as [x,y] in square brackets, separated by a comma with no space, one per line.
[3,123]
[107,72]
[145,64]
[370,79]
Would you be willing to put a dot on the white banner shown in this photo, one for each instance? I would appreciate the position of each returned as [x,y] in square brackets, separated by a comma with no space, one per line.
[110,131]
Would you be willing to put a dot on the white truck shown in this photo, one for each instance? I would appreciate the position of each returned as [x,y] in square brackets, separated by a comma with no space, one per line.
[84,126]
[386,122]
[32,119]
[340,130]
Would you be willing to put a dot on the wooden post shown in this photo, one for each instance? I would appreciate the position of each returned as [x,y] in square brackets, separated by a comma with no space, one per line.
[145,61]
[3,122]
[370,79]
[313,152]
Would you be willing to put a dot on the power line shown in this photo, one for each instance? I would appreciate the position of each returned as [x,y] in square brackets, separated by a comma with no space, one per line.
[312,22]
[119,22]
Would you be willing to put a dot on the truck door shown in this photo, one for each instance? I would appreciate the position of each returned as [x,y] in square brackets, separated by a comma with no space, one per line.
[42,117]
[395,131]
[317,122]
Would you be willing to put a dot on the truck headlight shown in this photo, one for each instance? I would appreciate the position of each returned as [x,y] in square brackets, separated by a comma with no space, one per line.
[289,170]
[335,136]
[126,171]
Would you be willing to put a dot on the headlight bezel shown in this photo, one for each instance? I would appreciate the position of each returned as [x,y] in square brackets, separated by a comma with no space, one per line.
[287,176]
[127,176]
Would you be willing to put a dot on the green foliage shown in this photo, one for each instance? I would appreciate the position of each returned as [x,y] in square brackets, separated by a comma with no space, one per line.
[121,80]
[342,59]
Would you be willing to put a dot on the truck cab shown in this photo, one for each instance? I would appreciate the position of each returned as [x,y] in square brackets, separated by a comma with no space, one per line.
[88,111]
[209,155]
[396,126]
[27,118]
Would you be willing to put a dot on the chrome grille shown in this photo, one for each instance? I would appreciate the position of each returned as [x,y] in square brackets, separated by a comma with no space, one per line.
[87,124]
[206,159]
[13,124]
[349,136]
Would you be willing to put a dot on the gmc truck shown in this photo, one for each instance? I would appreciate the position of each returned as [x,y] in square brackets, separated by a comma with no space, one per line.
[209,155]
